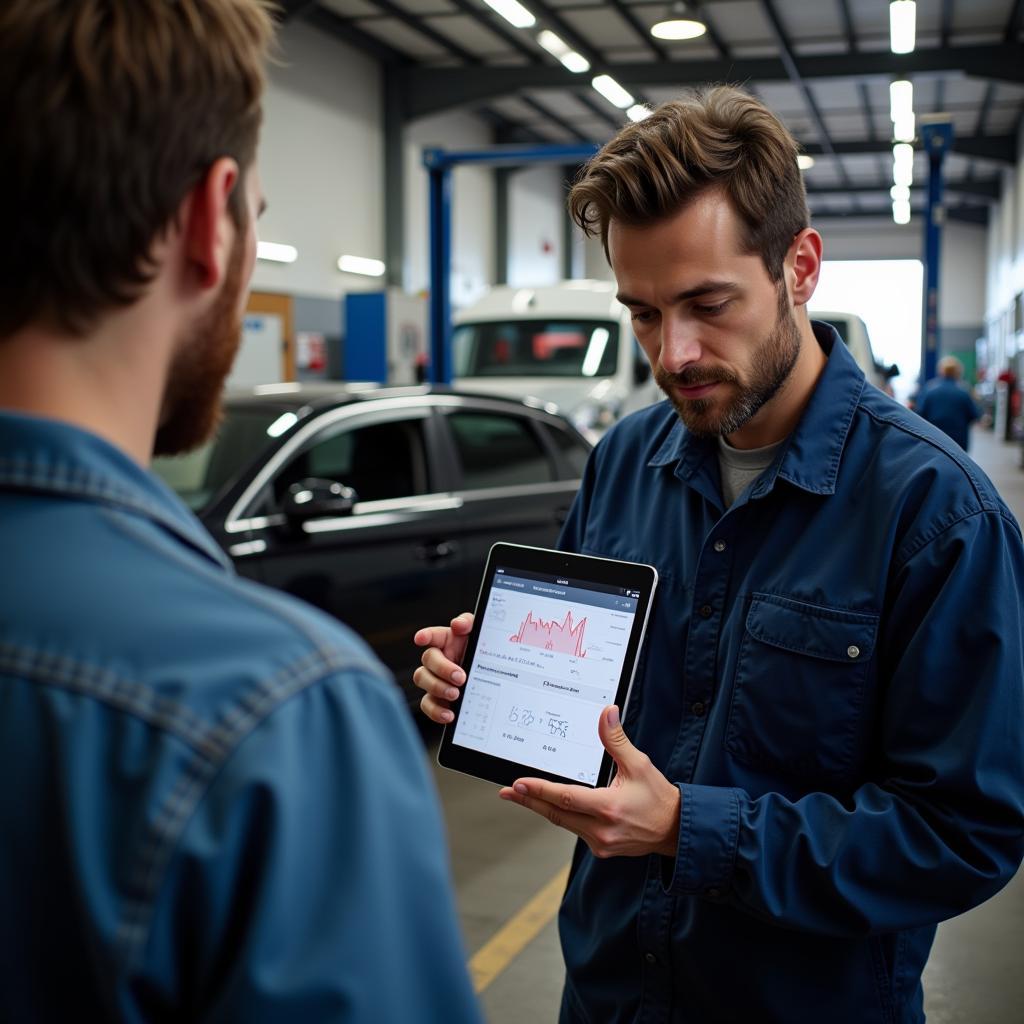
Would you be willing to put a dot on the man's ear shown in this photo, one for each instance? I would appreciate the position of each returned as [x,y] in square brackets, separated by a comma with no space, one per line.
[803,265]
[208,225]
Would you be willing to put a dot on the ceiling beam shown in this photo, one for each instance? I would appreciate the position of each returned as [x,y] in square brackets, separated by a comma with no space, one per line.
[1000,148]
[430,90]
[985,190]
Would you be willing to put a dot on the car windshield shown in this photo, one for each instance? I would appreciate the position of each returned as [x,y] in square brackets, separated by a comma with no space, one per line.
[537,348]
[200,475]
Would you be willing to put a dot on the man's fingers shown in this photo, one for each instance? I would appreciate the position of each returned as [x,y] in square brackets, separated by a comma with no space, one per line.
[434,685]
[431,636]
[559,813]
[463,624]
[434,661]
[435,710]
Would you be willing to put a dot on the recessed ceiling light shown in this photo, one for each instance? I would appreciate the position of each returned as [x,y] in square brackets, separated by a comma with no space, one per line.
[275,252]
[362,265]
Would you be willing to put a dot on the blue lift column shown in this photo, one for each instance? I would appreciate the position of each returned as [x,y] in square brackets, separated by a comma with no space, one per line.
[439,164]
[938,140]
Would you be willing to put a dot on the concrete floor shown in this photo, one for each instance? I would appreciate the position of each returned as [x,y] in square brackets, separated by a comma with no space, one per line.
[502,856]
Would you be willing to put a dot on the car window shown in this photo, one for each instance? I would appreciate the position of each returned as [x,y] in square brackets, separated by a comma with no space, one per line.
[380,461]
[497,450]
[575,451]
[199,475]
[536,348]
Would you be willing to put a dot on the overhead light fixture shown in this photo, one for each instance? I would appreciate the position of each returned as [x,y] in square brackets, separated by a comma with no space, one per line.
[901,211]
[900,193]
[804,162]
[902,26]
[903,164]
[612,91]
[275,252]
[362,265]
[513,12]
[638,112]
[679,25]
[559,49]
[903,128]
[901,98]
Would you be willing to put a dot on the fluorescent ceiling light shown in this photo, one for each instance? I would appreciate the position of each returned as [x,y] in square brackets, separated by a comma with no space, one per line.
[902,26]
[903,164]
[900,193]
[567,57]
[804,162]
[901,211]
[678,28]
[284,422]
[276,253]
[638,112]
[595,351]
[901,98]
[612,91]
[903,128]
[513,12]
[361,265]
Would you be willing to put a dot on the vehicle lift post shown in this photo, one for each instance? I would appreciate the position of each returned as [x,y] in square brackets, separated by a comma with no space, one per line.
[439,164]
[937,137]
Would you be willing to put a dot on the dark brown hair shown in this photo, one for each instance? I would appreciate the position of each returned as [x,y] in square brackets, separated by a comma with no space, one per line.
[720,138]
[113,111]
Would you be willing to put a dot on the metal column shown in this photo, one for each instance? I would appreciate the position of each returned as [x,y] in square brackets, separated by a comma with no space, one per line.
[938,140]
[439,164]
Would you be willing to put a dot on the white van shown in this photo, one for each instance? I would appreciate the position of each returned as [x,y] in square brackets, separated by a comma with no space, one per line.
[854,332]
[570,344]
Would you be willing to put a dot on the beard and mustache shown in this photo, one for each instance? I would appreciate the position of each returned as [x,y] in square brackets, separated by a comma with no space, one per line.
[770,367]
[191,411]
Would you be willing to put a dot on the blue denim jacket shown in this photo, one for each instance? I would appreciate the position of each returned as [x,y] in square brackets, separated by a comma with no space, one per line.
[834,677]
[215,806]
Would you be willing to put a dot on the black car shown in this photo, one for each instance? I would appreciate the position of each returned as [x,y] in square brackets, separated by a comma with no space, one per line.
[379,505]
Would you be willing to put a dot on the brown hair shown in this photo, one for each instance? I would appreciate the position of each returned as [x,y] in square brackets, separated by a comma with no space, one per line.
[113,111]
[720,138]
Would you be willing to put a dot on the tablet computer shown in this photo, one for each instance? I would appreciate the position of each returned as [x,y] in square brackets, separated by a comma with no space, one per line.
[555,640]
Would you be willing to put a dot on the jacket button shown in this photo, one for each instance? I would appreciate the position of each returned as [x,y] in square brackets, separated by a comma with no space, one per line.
[719,546]
[698,708]
[650,958]
[705,611]
[853,651]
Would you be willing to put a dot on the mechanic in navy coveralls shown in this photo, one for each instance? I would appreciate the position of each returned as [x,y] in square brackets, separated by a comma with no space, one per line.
[946,403]
[824,754]
[214,805]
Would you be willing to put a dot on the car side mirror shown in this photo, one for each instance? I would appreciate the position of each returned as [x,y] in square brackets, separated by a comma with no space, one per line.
[641,371]
[312,498]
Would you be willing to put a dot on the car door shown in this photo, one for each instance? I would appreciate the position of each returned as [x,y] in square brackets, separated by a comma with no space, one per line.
[380,566]
[515,485]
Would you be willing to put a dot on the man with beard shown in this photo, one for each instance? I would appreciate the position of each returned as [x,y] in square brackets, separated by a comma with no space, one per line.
[209,787]
[823,756]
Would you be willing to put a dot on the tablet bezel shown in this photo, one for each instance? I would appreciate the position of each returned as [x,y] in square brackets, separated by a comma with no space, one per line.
[587,568]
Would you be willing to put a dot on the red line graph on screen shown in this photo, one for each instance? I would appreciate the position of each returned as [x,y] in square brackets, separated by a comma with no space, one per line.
[564,638]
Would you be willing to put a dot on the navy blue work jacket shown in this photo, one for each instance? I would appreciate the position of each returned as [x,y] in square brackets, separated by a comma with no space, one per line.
[214,805]
[833,677]
[949,407]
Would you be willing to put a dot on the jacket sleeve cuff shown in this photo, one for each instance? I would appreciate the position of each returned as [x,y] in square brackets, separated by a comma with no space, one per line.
[709,823]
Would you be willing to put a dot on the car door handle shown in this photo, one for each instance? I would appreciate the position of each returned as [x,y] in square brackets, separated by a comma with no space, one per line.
[437,552]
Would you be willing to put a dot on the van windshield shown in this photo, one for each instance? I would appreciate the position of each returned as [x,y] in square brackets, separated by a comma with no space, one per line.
[537,348]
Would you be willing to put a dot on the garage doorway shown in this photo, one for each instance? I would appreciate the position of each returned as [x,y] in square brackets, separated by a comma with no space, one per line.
[887,296]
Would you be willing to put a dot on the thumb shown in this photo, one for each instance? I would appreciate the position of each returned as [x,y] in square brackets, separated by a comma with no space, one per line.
[615,741]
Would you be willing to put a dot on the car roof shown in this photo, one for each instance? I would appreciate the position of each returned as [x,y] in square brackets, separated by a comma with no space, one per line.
[312,396]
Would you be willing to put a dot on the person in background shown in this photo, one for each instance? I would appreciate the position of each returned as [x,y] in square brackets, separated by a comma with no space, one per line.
[945,402]
[215,806]
[821,757]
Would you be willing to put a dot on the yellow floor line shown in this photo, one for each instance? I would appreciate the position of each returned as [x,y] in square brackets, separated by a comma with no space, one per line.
[517,933]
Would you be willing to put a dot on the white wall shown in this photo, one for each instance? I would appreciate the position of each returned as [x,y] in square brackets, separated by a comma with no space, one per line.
[536,208]
[322,163]
[472,207]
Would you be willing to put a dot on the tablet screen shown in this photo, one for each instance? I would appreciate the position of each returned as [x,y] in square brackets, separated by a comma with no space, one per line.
[549,656]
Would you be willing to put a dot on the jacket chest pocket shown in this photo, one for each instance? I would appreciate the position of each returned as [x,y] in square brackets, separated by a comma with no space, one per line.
[798,692]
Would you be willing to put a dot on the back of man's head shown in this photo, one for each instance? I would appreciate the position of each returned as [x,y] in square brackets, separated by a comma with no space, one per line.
[113,111]
[950,368]
[722,138]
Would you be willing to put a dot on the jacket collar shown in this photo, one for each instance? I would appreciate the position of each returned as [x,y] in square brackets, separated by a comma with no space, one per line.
[810,459]
[45,456]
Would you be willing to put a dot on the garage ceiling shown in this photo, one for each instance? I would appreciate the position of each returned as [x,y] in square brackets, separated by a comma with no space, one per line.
[823,67]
